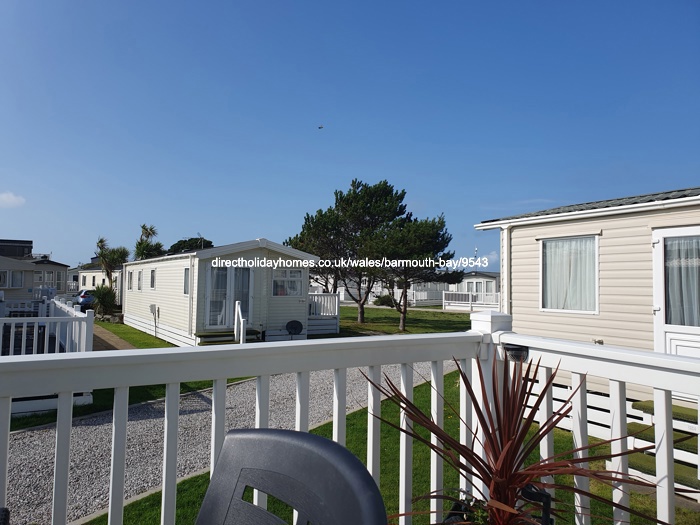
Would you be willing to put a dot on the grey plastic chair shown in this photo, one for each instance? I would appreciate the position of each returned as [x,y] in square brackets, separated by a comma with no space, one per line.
[323,481]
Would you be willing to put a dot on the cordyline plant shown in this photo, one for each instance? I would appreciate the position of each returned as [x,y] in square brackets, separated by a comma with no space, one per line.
[507,443]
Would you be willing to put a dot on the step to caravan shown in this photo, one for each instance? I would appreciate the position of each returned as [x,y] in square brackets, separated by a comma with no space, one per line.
[226,338]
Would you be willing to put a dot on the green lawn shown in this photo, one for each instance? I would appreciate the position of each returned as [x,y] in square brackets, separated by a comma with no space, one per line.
[386,321]
[136,337]
[191,491]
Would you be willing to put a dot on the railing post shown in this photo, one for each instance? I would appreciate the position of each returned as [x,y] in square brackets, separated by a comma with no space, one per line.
[579,416]
[406,450]
[437,413]
[236,327]
[665,472]
[618,429]
[374,412]
[5,418]
[89,322]
[488,323]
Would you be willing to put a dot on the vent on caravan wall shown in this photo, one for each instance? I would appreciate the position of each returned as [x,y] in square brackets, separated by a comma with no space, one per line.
[294,327]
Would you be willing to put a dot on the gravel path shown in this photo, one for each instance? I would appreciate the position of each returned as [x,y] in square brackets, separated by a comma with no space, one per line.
[31,452]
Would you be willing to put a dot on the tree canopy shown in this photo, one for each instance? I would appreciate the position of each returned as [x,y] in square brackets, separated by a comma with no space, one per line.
[145,247]
[193,243]
[421,244]
[372,222]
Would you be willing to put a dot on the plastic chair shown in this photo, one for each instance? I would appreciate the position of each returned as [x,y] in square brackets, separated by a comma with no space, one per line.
[323,481]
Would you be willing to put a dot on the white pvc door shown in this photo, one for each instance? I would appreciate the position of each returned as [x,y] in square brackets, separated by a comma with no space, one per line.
[225,286]
[677,291]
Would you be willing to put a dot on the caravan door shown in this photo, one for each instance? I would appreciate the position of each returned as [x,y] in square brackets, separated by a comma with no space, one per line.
[225,286]
[676,266]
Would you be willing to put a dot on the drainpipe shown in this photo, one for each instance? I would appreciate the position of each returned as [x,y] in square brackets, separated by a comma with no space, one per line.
[505,270]
[191,283]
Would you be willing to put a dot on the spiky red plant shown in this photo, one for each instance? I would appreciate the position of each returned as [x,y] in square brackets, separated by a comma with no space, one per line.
[507,442]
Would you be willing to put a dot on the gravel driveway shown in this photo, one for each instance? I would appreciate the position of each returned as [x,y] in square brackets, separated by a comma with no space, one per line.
[32,452]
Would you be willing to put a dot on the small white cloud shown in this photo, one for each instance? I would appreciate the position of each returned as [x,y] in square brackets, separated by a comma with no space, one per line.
[494,262]
[10,200]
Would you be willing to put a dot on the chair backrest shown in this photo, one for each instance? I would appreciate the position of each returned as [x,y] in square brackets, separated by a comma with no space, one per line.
[323,481]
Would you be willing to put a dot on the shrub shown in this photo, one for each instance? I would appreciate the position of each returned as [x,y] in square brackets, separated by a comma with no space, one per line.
[105,300]
[384,300]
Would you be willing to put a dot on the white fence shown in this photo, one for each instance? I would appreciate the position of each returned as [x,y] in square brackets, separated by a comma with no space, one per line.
[470,301]
[324,304]
[424,297]
[324,313]
[67,373]
[23,308]
[62,328]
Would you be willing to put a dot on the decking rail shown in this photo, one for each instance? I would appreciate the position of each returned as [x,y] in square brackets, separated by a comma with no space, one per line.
[66,373]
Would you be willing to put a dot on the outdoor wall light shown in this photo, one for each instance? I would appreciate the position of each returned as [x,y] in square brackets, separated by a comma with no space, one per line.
[517,353]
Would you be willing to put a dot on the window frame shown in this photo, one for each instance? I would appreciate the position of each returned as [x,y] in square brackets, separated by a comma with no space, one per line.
[596,278]
[130,280]
[277,278]
[11,279]
[152,279]
[139,281]
[186,281]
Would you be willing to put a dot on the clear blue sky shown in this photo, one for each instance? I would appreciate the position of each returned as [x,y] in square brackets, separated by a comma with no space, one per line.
[204,116]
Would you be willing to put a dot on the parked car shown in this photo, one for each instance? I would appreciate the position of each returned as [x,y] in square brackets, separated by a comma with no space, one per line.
[84,298]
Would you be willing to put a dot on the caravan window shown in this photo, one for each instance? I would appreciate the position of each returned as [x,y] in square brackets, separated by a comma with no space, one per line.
[287,282]
[569,274]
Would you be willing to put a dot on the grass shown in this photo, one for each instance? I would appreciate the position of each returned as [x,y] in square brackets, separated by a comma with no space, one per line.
[386,321]
[191,491]
[680,413]
[136,337]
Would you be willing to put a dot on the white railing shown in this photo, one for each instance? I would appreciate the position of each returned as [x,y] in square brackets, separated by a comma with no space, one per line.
[239,324]
[72,287]
[424,297]
[63,329]
[469,299]
[66,373]
[23,308]
[327,304]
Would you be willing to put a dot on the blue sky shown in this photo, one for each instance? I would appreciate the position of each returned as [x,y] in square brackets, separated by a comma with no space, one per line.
[204,116]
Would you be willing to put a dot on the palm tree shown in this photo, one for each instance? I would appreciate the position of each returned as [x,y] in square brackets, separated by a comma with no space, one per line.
[147,249]
[148,232]
[110,258]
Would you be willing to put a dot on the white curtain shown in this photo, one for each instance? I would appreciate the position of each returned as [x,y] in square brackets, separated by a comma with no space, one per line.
[682,263]
[568,274]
